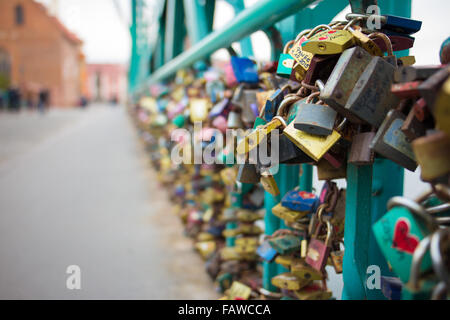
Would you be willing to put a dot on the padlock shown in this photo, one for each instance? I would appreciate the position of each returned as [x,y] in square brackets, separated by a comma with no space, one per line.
[289,281]
[285,244]
[433,153]
[224,281]
[400,24]
[337,259]
[249,107]
[287,260]
[269,184]
[244,69]
[285,62]
[272,104]
[247,173]
[412,128]
[329,42]
[302,58]
[316,119]
[304,271]
[342,80]
[320,68]
[287,214]
[234,120]
[300,201]
[399,232]
[198,108]
[406,61]
[391,287]
[360,152]
[399,42]
[252,140]
[363,40]
[313,145]
[313,292]
[410,73]
[371,98]
[407,90]
[248,215]
[430,88]
[239,291]
[326,171]
[319,251]
[266,252]
[442,108]
[288,152]
[391,143]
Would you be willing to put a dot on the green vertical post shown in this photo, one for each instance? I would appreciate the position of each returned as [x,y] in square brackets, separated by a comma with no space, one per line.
[306,177]
[246,43]
[358,224]
[387,176]
[175,29]
[272,224]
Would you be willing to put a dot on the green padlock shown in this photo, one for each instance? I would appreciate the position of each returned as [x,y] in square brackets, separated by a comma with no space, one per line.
[400,231]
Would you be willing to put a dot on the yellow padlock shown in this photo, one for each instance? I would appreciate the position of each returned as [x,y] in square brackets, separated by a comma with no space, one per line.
[287,214]
[314,146]
[329,42]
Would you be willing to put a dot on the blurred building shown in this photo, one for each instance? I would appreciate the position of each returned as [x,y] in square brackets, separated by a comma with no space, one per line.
[37,52]
[106,82]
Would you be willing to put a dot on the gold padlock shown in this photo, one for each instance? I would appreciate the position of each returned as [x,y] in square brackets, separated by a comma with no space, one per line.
[302,270]
[269,184]
[314,146]
[287,214]
[289,281]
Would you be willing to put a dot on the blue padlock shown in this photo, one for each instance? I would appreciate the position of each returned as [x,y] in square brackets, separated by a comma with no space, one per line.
[300,201]
[391,287]
[244,70]
[272,104]
[266,252]
[401,24]
[219,108]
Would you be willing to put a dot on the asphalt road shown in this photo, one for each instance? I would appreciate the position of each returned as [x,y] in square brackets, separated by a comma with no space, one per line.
[76,189]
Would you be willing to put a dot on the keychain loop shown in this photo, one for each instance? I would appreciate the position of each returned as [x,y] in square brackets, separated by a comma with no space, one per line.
[387,41]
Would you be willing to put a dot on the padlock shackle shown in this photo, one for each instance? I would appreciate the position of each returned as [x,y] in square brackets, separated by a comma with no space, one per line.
[320,27]
[288,46]
[285,104]
[416,262]
[349,25]
[414,208]
[301,34]
[387,41]
[436,255]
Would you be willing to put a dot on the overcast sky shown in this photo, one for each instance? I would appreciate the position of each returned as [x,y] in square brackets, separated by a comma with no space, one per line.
[106,35]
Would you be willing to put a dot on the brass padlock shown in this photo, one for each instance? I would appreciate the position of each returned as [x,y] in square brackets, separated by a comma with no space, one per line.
[289,281]
[433,155]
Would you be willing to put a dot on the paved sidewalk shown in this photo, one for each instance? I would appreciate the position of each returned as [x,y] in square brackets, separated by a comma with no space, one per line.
[76,189]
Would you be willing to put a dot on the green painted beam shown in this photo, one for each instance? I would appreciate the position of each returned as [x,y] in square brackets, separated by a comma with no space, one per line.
[175,29]
[261,15]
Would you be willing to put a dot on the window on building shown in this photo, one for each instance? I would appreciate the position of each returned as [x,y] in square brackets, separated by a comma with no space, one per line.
[19,14]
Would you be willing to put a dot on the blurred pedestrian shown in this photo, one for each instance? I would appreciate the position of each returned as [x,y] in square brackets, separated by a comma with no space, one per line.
[43,100]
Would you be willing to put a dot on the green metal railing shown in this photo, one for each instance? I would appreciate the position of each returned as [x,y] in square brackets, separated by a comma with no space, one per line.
[368,187]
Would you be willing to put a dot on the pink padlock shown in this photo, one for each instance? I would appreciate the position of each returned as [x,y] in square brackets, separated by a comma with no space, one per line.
[220,123]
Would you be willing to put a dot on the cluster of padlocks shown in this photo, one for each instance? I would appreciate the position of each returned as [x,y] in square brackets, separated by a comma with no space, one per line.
[337,96]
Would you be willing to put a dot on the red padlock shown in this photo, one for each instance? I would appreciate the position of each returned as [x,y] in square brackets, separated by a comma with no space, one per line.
[319,251]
